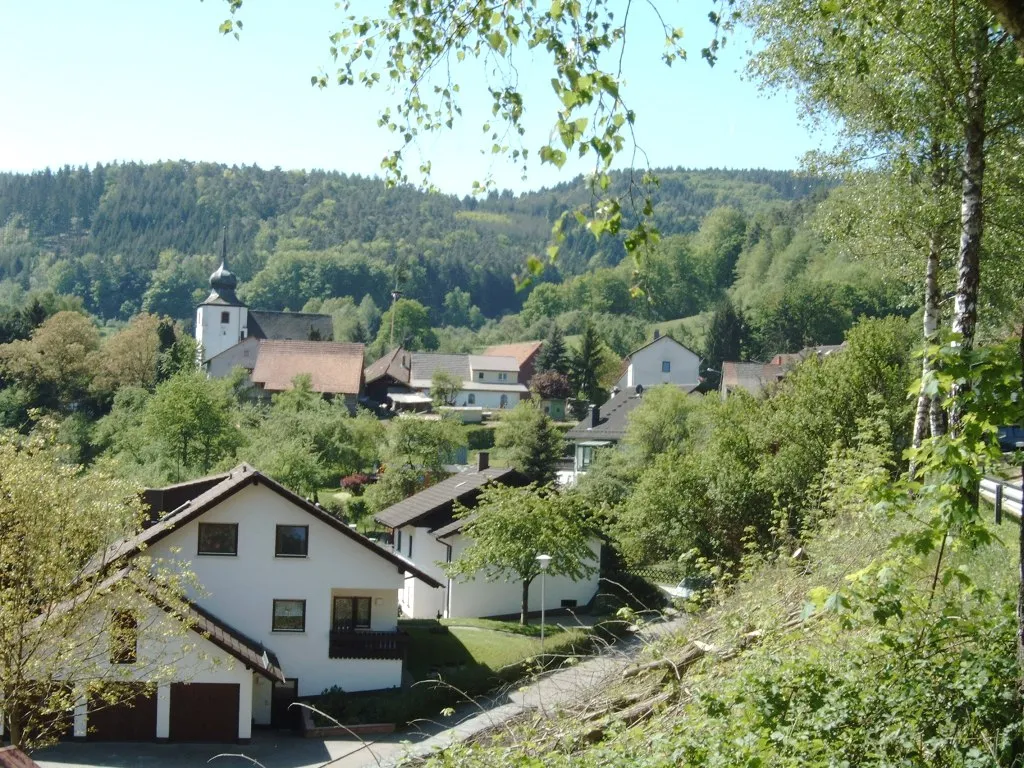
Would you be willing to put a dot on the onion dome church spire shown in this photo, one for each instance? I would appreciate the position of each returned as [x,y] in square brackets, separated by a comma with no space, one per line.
[222,281]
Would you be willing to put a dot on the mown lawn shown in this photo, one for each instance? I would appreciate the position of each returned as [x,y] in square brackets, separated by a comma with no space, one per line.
[454,659]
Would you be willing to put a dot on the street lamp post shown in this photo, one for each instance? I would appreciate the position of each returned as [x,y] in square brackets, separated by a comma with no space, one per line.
[544,561]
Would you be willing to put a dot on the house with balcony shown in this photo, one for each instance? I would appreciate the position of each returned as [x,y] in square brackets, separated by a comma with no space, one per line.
[284,601]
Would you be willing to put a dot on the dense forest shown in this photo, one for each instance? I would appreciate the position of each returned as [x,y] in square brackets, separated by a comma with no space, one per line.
[130,238]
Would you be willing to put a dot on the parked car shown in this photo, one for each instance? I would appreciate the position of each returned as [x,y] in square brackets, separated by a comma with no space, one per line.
[1011,439]
[690,587]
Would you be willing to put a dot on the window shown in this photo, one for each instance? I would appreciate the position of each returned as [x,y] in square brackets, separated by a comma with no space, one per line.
[666,366]
[124,638]
[218,539]
[291,541]
[398,541]
[480,374]
[225,317]
[502,377]
[410,545]
[568,603]
[289,616]
[471,398]
[504,401]
[586,455]
[351,613]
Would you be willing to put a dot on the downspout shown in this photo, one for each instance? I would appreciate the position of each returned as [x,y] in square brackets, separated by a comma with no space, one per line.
[448,582]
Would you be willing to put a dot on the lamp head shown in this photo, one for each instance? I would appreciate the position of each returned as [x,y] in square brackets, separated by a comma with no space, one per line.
[544,560]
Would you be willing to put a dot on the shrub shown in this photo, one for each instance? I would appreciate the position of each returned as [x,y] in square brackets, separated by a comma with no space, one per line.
[480,438]
[355,482]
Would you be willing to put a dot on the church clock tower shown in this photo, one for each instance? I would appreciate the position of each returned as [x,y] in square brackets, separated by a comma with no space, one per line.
[221,320]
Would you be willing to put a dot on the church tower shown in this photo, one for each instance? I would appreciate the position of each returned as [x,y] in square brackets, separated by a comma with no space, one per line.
[222,320]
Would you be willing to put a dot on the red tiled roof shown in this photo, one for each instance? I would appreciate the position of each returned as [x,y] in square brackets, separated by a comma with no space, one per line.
[520,350]
[333,367]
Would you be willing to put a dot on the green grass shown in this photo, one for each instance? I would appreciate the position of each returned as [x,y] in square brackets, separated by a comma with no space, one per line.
[450,660]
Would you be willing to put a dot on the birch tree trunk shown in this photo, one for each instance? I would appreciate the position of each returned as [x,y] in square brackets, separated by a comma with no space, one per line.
[965,311]
[930,416]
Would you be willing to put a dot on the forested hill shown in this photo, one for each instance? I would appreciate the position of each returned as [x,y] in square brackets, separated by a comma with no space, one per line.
[137,237]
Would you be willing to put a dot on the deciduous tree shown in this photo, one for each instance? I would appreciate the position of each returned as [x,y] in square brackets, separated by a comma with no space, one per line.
[509,527]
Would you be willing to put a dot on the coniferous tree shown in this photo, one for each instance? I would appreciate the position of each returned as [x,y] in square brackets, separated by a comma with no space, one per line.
[552,356]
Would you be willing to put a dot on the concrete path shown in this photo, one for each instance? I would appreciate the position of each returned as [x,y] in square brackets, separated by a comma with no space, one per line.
[274,750]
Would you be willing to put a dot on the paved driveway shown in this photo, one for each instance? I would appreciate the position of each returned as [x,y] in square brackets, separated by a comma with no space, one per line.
[282,750]
[269,749]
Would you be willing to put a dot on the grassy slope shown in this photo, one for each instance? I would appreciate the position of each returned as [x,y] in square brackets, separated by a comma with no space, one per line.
[715,713]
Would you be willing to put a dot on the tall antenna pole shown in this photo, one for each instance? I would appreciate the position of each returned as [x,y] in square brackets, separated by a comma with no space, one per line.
[394,300]
[224,248]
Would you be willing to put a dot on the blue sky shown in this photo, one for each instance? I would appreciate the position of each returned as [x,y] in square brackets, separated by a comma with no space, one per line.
[147,80]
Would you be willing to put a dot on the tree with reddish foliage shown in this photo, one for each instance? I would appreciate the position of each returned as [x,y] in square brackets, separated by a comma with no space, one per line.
[551,385]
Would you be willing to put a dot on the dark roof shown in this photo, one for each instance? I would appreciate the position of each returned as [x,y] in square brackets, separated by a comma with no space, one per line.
[254,655]
[452,528]
[333,368]
[282,326]
[425,364]
[655,341]
[12,757]
[438,500]
[612,419]
[198,620]
[167,499]
[391,365]
[238,478]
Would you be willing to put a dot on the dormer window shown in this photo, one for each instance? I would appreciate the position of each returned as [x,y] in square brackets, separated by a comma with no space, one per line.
[225,318]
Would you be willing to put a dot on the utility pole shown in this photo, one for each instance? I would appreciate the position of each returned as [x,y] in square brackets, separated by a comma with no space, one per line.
[395,295]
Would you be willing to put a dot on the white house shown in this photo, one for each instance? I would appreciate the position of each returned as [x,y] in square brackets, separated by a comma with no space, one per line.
[661,361]
[490,382]
[288,601]
[425,532]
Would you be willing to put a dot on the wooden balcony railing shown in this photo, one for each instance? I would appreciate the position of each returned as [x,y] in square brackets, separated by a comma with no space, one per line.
[349,644]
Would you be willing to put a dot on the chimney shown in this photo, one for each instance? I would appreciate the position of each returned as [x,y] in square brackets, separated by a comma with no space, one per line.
[483,461]
[657,334]
[595,415]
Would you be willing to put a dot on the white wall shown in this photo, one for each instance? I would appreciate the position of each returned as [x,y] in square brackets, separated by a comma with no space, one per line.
[240,589]
[215,336]
[419,600]
[242,354]
[477,597]
[645,366]
[166,653]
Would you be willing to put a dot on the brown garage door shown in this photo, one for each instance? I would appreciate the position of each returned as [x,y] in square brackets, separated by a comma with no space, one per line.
[131,718]
[204,712]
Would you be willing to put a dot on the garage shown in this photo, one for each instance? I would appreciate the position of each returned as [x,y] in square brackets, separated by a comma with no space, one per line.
[131,718]
[204,712]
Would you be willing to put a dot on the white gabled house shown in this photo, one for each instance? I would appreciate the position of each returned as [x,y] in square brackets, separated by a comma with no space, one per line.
[425,532]
[660,361]
[288,601]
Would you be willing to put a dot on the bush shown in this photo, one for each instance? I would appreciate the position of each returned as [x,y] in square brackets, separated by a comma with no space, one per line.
[480,438]
[356,482]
